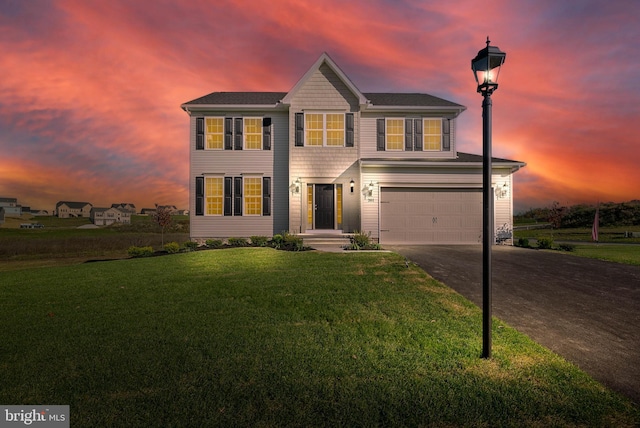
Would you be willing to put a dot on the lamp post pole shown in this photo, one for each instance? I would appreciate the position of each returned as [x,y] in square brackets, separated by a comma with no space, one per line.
[487,224]
[486,67]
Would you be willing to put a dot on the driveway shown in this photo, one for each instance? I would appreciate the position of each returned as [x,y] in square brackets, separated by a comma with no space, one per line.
[586,310]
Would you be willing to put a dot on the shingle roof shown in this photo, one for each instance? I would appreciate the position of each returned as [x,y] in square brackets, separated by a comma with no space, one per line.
[240,98]
[272,98]
[74,205]
[402,99]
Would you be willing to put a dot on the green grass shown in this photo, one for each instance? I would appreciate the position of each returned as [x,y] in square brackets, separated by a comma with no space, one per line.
[610,235]
[258,337]
[628,254]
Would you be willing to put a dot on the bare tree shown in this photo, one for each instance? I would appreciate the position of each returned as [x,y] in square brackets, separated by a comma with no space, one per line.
[163,218]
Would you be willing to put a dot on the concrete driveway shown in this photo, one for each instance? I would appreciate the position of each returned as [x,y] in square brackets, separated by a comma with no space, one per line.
[586,310]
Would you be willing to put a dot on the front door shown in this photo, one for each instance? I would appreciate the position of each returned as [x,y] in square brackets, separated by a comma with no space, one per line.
[324,206]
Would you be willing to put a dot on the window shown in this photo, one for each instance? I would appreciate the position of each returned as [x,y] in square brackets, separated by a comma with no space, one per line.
[214,132]
[253,133]
[214,195]
[395,134]
[252,195]
[310,205]
[314,129]
[432,134]
[324,129]
[335,129]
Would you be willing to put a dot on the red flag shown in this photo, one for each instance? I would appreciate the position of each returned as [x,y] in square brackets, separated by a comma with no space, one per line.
[596,222]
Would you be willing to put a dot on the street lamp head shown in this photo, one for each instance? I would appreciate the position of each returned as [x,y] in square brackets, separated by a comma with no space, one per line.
[486,68]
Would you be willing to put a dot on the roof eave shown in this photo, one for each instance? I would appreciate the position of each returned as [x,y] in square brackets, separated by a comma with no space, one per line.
[230,107]
[455,109]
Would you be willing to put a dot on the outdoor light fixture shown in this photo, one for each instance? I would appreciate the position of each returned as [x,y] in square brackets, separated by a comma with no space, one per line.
[370,189]
[352,185]
[502,191]
[295,186]
[486,69]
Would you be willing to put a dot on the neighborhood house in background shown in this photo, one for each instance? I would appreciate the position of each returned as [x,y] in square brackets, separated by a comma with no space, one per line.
[327,157]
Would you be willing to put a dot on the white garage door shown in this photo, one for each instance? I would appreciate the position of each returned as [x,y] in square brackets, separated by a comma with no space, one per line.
[430,216]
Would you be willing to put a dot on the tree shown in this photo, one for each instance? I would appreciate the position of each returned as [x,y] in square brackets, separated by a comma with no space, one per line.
[556,214]
[163,218]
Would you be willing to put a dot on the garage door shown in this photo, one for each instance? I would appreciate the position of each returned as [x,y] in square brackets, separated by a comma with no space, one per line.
[430,216]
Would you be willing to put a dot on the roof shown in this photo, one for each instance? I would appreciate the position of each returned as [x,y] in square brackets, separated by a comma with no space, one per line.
[462,160]
[371,100]
[75,205]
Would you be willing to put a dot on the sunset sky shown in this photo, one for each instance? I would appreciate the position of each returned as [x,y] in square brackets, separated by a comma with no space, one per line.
[90,91]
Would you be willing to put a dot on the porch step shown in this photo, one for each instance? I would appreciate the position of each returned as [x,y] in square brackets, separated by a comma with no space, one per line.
[337,240]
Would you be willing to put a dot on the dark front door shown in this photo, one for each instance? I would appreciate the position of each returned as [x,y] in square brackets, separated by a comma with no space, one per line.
[324,206]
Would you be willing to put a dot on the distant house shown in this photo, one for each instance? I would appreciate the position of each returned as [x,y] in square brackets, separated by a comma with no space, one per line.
[147,211]
[67,209]
[125,207]
[40,212]
[108,216]
[11,207]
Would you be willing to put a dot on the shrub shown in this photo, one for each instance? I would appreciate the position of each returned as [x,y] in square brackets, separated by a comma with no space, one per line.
[567,247]
[292,242]
[523,242]
[545,243]
[238,242]
[259,241]
[191,245]
[134,251]
[213,243]
[362,241]
[172,247]
[277,241]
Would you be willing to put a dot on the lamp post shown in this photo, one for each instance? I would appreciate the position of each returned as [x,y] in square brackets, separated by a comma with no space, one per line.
[486,68]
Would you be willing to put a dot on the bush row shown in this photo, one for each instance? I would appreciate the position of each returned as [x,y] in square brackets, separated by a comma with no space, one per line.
[545,244]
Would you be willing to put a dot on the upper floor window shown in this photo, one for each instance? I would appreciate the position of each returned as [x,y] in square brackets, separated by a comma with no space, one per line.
[395,134]
[324,129]
[432,134]
[214,132]
[413,134]
[253,133]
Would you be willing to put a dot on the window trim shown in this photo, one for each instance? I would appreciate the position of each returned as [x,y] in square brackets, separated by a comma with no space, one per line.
[206,196]
[207,133]
[258,194]
[260,142]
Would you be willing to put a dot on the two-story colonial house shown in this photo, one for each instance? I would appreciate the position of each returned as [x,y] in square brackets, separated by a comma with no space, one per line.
[327,157]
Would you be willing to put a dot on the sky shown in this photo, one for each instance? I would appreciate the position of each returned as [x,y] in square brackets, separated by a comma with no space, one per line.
[90,90]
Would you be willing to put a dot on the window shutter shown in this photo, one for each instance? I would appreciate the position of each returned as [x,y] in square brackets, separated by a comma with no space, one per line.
[299,129]
[417,135]
[237,195]
[380,134]
[199,195]
[266,196]
[199,133]
[228,133]
[228,196]
[238,134]
[408,134]
[446,134]
[348,130]
[266,133]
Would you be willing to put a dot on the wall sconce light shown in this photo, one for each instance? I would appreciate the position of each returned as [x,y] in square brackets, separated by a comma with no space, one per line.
[295,186]
[502,191]
[370,189]
[352,185]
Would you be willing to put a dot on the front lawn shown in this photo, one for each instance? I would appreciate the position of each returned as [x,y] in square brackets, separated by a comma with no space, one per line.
[259,337]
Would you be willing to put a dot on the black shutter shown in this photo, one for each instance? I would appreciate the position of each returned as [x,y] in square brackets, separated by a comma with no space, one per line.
[299,129]
[238,133]
[199,133]
[199,195]
[228,195]
[266,133]
[237,196]
[228,133]
[380,134]
[348,130]
[417,134]
[408,134]
[446,134]
[266,196]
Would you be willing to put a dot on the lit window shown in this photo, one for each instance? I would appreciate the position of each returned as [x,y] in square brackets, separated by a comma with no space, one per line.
[432,134]
[335,129]
[253,133]
[253,196]
[314,129]
[214,195]
[310,205]
[395,134]
[215,132]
